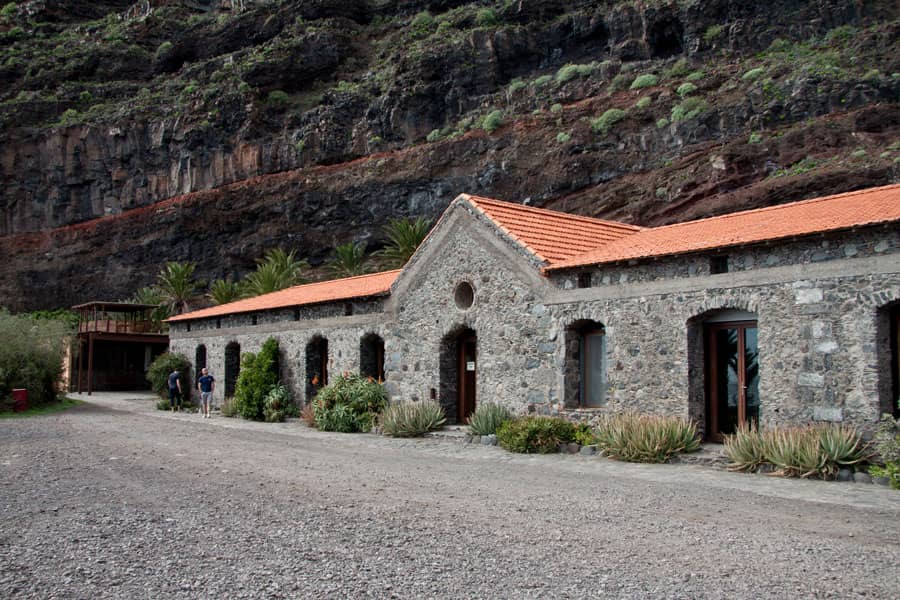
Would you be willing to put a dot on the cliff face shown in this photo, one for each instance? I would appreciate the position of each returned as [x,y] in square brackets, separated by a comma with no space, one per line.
[312,123]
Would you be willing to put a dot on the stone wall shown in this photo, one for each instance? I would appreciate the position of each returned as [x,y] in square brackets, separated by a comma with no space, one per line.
[821,308]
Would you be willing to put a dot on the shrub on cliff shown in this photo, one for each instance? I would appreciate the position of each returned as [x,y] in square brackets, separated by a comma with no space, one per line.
[30,356]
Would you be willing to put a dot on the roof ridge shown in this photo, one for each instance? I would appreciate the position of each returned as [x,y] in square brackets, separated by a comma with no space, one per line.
[556,213]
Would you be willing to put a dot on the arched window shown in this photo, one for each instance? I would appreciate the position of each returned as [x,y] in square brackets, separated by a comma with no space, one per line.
[371,357]
[316,365]
[232,367]
[200,358]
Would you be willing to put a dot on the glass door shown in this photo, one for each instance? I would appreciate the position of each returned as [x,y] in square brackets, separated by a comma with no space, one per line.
[732,377]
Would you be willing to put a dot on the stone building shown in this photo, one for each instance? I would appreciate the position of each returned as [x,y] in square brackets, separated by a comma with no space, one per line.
[787,314]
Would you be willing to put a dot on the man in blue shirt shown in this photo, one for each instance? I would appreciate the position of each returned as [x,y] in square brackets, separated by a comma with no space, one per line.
[175,390]
[206,384]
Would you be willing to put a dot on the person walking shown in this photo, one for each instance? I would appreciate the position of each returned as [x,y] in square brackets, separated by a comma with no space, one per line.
[206,384]
[175,390]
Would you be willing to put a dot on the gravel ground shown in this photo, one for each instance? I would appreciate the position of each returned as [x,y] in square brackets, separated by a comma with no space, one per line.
[114,500]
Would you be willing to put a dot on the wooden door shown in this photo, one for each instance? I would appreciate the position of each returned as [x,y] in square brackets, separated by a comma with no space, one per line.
[467,370]
[732,368]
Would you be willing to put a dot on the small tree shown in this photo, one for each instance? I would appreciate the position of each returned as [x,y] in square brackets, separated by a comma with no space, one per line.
[31,356]
[274,271]
[259,375]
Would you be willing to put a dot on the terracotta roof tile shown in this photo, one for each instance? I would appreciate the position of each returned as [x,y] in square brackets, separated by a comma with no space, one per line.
[819,215]
[361,286]
[550,235]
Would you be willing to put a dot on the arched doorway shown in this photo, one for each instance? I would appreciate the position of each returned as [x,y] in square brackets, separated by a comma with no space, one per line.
[316,365]
[200,358]
[724,348]
[371,357]
[888,348]
[458,371]
[232,367]
[585,365]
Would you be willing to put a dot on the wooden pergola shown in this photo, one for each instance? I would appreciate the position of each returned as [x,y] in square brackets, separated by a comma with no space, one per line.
[113,322]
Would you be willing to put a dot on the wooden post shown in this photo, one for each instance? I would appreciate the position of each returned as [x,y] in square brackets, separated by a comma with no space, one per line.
[90,384]
[80,354]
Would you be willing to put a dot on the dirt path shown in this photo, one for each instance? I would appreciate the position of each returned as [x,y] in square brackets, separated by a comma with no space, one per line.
[114,499]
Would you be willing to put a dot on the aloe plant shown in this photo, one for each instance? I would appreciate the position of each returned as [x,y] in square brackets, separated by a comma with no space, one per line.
[412,419]
[488,417]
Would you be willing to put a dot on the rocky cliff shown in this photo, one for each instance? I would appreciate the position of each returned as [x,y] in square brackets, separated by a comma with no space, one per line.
[210,131]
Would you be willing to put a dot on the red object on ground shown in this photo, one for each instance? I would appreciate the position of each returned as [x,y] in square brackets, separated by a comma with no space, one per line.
[20,400]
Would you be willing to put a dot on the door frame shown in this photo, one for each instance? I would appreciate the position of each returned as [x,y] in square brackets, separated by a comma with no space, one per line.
[712,374]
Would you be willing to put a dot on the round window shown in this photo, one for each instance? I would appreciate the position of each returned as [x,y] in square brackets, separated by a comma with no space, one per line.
[464,295]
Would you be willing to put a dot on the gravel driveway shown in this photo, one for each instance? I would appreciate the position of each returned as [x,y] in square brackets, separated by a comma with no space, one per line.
[115,500]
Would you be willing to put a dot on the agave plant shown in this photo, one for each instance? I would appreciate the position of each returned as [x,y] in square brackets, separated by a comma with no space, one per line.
[404,235]
[842,445]
[795,452]
[744,448]
[646,438]
[488,417]
[412,419]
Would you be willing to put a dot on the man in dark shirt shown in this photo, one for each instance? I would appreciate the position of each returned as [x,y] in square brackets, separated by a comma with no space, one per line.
[175,390]
[206,384]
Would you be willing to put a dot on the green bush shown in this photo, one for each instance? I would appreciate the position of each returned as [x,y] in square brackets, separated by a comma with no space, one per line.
[486,17]
[755,138]
[662,122]
[646,438]
[542,80]
[556,108]
[492,121]
[563,137]
[530,435]
[163,49]
[570,71]
[643,102]
[30,356]
[810,451]
[514,86]
[605,122]
[712,32]
[619,82]
[689,108]
[584,435]
[258,375]
[277,99]
[411,419]
[158,375]
[488,417]
[681,68]
[422,24]
[753,74]
[644,81]
[696,76]
[348,404]
[686,89]
[9,10]
[277,405]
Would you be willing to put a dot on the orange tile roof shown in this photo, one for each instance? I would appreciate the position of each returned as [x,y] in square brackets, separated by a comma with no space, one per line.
[361,286]
[819,215]
[550,235]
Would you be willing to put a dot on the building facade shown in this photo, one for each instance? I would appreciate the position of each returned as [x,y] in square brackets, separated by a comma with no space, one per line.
[784,315]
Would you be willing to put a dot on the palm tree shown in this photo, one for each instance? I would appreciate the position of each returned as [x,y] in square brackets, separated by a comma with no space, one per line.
[223,291]
[349,259]
[177,286]
[404,237]
[152,295]
[275,271]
